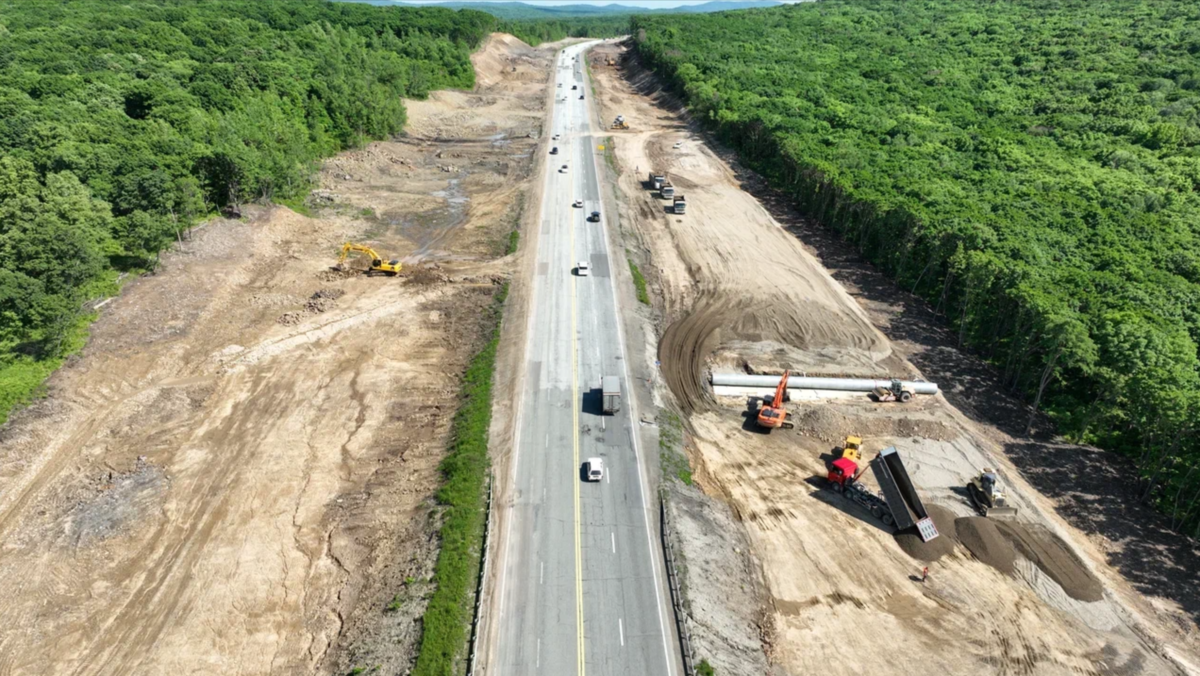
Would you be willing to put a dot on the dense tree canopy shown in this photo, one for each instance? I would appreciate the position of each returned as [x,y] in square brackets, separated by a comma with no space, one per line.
[1031,167]
[120,123]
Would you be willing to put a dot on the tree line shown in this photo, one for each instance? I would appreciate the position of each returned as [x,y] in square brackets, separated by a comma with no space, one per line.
[121,124]
[1031,168]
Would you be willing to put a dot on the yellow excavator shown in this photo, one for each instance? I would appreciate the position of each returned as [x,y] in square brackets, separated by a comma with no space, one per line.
[391,267]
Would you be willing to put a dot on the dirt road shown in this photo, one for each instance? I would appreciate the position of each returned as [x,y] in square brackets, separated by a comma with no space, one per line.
[236,475]
[735,290]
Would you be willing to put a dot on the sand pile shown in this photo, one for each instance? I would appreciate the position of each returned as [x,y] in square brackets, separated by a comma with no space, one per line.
[910,540]
[828,424]
[1054,558]
[980,535]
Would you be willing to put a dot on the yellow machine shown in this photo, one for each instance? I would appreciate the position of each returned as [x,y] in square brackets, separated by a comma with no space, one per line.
[620,124]
[852,448]
[391,267]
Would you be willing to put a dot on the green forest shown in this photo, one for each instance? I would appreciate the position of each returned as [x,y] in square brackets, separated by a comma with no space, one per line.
[121,124]
[1029,167]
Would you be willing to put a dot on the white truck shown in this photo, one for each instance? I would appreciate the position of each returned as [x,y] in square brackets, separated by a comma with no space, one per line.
[667,190]
[656,180]
[679,204]
[610,390]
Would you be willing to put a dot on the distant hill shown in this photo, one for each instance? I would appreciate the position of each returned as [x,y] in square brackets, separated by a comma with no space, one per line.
[521,10]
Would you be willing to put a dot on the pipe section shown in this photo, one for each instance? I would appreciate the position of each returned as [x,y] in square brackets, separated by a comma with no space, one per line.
[804,383]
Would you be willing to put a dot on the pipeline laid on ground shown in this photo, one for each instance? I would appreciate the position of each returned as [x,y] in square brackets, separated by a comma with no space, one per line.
[803,383]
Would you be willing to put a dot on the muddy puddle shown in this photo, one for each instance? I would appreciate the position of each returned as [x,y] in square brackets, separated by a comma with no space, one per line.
[430,230]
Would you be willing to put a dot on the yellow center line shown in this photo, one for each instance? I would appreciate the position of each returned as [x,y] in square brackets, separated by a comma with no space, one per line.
[575,439]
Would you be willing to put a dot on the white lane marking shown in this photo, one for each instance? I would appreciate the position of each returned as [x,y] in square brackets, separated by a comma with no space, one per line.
[642,480]
[621,629]
[608,477]
[614,542]
[539,654]
[506,542]
[542,572]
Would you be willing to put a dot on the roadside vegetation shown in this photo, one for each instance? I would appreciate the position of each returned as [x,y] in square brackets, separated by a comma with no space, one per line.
[672,456]
[1032,169]
[122,124]
[465,470]
[639,283]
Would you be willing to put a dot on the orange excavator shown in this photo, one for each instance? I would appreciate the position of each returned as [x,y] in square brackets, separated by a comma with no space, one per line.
[773,415]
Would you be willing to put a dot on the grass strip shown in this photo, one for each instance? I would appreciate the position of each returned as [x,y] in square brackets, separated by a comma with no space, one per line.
[464,471]
[514,238]
[672,457]
[639,282]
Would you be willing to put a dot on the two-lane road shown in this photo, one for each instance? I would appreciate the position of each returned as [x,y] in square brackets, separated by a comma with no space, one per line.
[580,579]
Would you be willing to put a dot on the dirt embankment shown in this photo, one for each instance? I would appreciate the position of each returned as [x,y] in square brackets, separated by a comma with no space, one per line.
[735,286]
[236,475]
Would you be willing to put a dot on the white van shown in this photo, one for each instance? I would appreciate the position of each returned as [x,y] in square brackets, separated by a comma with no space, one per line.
[583,269]
[594,469]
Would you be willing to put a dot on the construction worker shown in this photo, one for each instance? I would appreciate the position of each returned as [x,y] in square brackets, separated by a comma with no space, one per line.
[924,574]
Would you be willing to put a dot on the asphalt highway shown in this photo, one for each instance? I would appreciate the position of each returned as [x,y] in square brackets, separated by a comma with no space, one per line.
[581,580]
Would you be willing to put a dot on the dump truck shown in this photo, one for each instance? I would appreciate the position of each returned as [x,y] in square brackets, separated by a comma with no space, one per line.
[897,504]
[656,180]
[679,204]
[667,191]
[610,390]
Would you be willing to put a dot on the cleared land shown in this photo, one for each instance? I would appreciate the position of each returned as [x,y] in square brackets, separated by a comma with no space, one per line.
[236,475]
[735,290]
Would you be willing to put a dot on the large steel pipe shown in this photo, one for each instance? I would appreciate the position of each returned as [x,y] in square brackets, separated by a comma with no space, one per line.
[803,383]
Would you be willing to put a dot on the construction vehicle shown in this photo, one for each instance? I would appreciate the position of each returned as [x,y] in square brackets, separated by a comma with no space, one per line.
[667,191]
[620,124]
[656,180]
[896,391]
[774,415]
[897,504]
[852,448]
[610,390]
[679,204]
[989,497]
[391,267]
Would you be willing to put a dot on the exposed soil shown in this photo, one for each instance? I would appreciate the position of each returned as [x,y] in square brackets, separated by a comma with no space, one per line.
[912,544]
[1054,558]
[736,288]
[236,474]
[980,535]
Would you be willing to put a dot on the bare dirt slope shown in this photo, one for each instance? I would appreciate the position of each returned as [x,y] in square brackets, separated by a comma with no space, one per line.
[736,290]
[236,475]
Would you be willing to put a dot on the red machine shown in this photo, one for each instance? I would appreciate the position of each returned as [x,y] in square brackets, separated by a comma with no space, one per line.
[774,415]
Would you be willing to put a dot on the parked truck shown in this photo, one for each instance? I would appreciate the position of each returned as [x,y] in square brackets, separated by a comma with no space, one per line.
[679,204]
[898,503]
[656,180]
[610,389]
[667,191]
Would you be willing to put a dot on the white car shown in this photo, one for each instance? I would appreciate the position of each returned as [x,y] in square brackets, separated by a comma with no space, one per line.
[578,204]
[594,469]
[583,269]
[563,170]
[678,144]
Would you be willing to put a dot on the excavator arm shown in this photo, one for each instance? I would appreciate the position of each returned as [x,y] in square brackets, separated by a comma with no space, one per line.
[378,264]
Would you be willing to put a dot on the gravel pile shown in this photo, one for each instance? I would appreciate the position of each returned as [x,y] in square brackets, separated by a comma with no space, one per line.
[1054,558]
[910,540]
[980,535]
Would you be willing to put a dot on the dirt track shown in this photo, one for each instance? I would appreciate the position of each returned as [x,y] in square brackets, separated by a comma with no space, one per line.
[736,290]
[236,476]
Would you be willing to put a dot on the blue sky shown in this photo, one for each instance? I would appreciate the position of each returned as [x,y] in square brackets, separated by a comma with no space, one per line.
[632,3]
